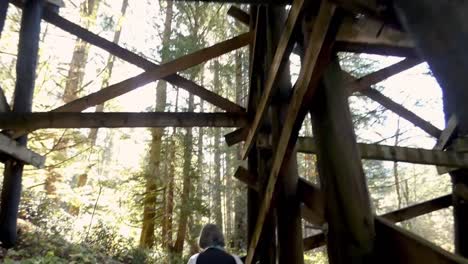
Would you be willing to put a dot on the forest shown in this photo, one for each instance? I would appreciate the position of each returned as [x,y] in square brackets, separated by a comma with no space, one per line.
[135,195]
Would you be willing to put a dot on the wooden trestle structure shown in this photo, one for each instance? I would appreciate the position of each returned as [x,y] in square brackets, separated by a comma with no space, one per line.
[278,199]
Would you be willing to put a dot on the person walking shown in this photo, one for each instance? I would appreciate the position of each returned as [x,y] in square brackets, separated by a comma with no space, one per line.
[212,243]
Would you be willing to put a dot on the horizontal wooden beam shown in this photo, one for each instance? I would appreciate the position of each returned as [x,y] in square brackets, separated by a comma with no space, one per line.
[402,154]
[397,245]
[314,241]
[163,71]
[32,121]
[136,59]
[419,209]
[373,48]
[13,149]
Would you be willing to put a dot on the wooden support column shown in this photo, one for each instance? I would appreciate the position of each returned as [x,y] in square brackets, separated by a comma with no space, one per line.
[440,31]
[259,159]
[288,206]
[348,212]
[26,75]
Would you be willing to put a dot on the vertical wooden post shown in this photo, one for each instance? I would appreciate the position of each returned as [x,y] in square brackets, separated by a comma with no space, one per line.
[3,14]
[259,159]
[289,219]
[24,90]
[348,212]
[440,30]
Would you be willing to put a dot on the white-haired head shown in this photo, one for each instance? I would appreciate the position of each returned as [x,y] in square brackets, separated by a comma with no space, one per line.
[211,236]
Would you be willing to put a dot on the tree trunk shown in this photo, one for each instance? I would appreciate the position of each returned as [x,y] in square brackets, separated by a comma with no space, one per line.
[149,213]
[185,198]
[217,160]
[88,11]
[240,214]
[395,167]
[109,67]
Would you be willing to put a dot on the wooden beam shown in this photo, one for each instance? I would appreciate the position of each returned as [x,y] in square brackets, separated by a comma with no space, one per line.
[236,136]
[283,50]
[26,63]
[316,40]
[397,245]
[382,74]
[402,112]
[314,241]
[13,149]
[32,121]
[239,14]
[396,216]
[419,209]
[163,71]
[307,192]
[377,49]
[401,154]
[136,59]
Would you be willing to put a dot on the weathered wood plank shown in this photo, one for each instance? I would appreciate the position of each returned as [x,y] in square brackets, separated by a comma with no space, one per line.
[248,178]
[136,59]
[401,154]
[282,53]
[164,70]
[382,74]
[32,121]
[239,14]
[316,40]
[402,112]
[236,136]
[419,209]
[22,102]
[397,245]
[377,49]
[14,149]
[349,214]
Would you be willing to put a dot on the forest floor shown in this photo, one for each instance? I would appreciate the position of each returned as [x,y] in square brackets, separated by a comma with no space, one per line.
[36,246]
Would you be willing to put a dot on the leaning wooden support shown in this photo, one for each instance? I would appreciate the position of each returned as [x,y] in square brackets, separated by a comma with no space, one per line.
[282,53]
[21,153]
[136,59]
[22,102]
[32,121]
[4,106]
[163,71]
[319,33]
[401,154]
[349,215]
